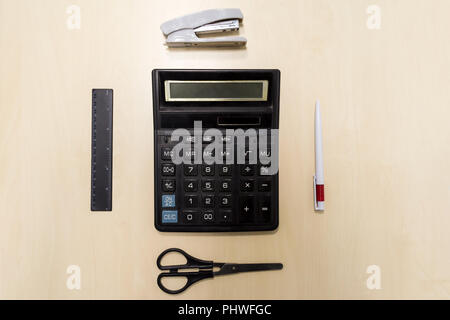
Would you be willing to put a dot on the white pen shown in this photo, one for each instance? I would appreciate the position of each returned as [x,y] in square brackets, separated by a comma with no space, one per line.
[319,193]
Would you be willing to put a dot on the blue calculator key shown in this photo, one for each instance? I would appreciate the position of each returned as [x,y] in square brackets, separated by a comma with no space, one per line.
[168,201]
[169,216]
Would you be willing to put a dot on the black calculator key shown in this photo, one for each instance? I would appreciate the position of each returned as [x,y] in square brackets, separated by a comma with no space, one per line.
[189,156]
[168,169]
[247,185]
[224,216]
[168,185]
[208,185]
[208,153]
[207,170]
[226,139]
[191,139]
[264,186]
[165,139]
[265,170]
[190,185]
[247,170]
[246,208]
[207,216]
[208,138]
[264,205]
[227,155]
[191,201]
[225,169]
[208,201]
[166,153]
[190,170]
[225,185]
[225,201]
[190,217]
[265,155]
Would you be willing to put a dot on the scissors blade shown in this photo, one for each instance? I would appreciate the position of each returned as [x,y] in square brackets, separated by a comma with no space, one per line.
[229,268]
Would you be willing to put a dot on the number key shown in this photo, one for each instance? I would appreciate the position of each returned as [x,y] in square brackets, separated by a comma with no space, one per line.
[208,216]
[190,201]
[225,170]
[225,201]
[190,170]
[208,185]
[208,201]
[190,185]
[225,185]
[207,170]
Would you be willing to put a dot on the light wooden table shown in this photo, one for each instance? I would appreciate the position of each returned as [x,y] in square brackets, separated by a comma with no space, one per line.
[385,97]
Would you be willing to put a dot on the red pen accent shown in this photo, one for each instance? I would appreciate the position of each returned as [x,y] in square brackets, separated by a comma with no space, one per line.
[320,192]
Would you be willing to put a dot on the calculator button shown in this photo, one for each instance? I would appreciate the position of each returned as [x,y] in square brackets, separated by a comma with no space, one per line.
[225,201]
[247,185]
[208,185]
[226,154]
[264,155]
[168,201]
[207,138]
[189,155]
[247,170]
[166,153]
[226,139]
[225,169]
[264,205]
[190,201]
[207,170]
[165,139]
[264,186]
[225,185]
[207,216]
[246,208]
[190,139]
[168,185]
[169,216]
[224,216]
[190,216]
[249,156]
[190,170]
[190,185]
[168,169]
[264,171]
[208,201]
[208,153]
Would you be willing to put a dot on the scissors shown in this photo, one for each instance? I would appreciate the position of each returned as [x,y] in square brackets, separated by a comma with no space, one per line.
[204,269]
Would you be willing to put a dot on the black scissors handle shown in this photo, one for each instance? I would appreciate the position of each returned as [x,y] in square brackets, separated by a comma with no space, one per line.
[191,263]
[192,277]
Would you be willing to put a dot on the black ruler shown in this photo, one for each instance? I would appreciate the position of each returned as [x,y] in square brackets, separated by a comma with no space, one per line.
[102,140]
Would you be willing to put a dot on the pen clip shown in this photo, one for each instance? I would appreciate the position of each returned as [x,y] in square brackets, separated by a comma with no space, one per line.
[315,194]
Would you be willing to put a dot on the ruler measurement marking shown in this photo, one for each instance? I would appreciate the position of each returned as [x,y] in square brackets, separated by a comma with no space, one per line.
[101,160]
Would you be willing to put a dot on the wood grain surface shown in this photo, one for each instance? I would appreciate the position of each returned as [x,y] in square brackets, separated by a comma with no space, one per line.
[385,97]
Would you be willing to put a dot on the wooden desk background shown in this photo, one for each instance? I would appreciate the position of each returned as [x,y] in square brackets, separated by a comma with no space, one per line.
[385,103]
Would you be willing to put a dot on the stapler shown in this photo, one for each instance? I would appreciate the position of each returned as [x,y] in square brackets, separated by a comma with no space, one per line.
[183,31]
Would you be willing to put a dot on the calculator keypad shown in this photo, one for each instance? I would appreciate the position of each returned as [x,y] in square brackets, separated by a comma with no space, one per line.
[214,194]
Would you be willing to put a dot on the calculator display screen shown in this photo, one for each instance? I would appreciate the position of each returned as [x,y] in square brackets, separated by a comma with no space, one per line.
[223,90]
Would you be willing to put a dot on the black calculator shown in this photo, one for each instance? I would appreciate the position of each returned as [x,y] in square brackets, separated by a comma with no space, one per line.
[216,149]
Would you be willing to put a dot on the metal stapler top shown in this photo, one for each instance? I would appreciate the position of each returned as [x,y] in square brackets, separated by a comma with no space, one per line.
[182,31]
